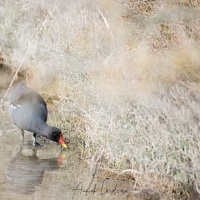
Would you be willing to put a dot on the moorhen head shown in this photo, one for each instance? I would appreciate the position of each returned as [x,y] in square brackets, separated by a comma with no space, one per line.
[55,135]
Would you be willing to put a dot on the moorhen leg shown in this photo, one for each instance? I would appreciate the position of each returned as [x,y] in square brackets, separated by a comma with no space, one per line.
[22,136]
[35,144]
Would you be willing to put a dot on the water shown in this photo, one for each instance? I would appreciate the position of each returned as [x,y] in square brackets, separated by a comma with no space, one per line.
[48,173]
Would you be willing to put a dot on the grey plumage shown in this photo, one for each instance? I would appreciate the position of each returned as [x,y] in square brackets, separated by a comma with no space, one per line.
[28,111]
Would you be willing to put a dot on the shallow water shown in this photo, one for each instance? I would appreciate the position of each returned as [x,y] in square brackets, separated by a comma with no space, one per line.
[48,173]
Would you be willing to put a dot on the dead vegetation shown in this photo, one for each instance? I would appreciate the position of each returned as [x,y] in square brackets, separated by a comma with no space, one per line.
[126,78]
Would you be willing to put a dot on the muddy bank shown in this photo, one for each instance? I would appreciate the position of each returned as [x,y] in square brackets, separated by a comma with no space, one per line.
[46,173]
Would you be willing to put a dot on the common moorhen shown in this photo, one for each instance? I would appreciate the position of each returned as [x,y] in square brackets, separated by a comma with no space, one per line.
[28,111]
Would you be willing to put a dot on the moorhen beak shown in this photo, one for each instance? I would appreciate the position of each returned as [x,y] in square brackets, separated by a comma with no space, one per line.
[28,111]
[61,141]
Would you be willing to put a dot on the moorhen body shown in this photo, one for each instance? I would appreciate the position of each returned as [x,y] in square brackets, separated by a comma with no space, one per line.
[28,111]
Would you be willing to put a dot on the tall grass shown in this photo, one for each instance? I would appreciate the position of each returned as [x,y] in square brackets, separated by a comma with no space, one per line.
[127,78]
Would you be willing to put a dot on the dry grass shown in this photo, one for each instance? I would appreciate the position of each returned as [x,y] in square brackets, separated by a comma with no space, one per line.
[127,78]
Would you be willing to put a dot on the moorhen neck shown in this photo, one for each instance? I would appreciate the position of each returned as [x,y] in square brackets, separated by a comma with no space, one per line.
[28,111]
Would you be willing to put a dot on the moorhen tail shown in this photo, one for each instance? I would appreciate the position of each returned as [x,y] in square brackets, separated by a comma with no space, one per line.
[28,111]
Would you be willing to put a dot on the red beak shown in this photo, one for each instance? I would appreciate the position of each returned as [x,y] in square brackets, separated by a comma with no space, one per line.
[61,141]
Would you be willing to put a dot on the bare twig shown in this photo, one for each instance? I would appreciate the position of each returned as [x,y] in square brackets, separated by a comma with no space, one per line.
[105,20]
[129,170]
[15,75]
[197,188]
[94,168]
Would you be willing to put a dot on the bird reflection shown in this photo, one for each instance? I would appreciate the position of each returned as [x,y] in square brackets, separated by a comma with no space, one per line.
[25,172]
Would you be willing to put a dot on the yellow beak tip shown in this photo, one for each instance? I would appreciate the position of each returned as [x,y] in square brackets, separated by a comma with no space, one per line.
[65,146]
